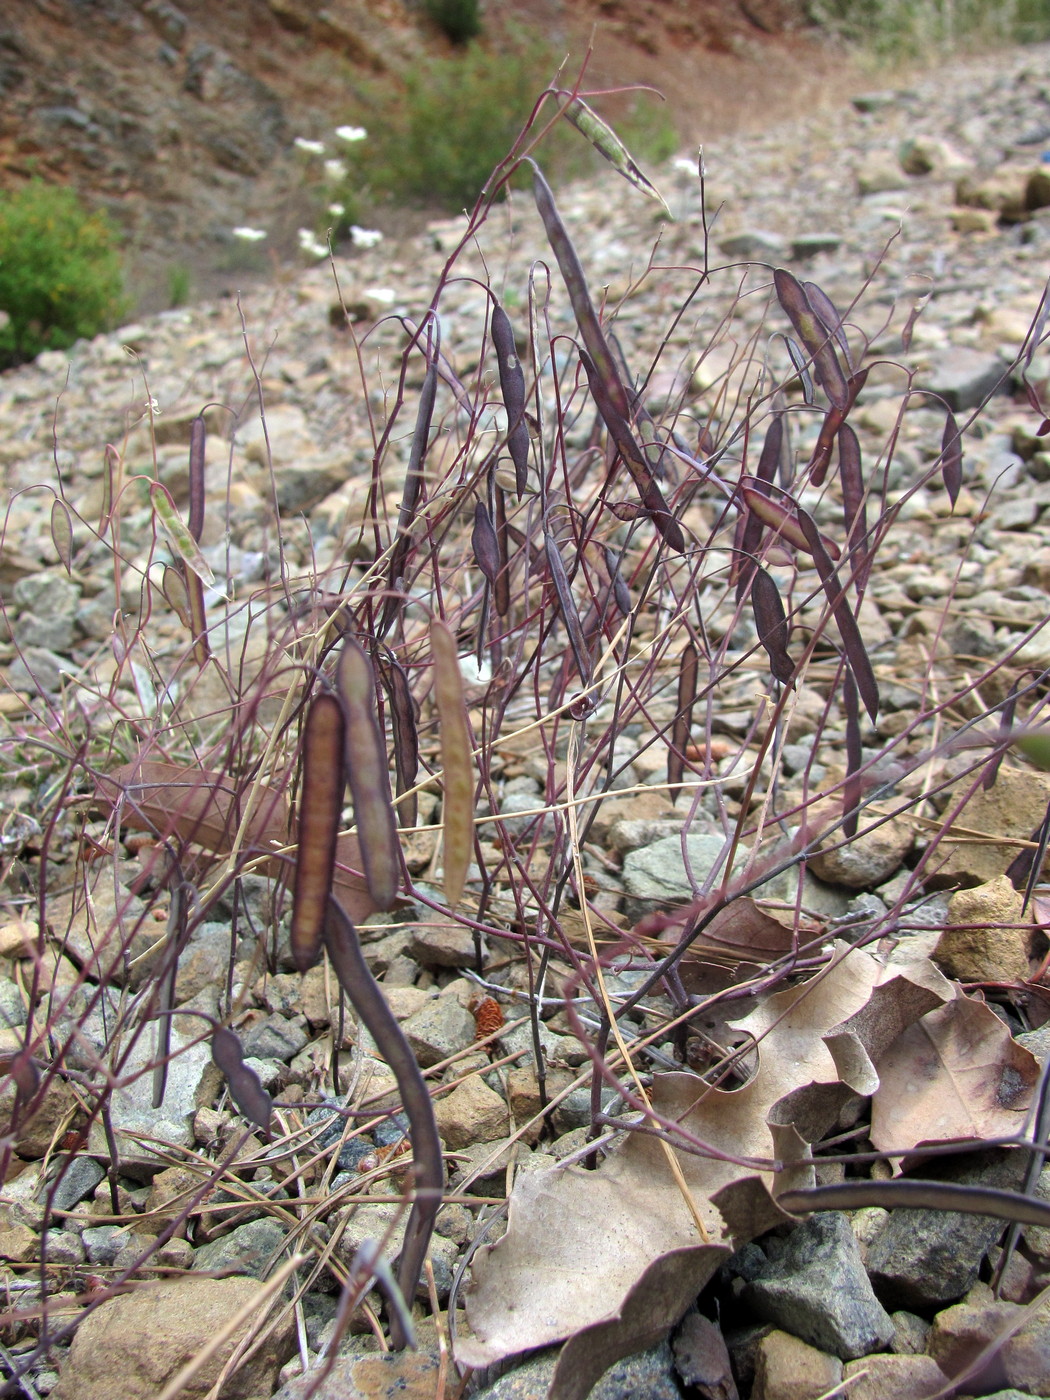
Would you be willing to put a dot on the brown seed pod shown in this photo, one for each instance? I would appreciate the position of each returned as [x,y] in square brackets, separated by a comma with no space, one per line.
[366,767]
[324,785]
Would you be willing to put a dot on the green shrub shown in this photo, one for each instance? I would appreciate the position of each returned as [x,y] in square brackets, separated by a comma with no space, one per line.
[60,272]
[438,136]
[892,28]
[458,20]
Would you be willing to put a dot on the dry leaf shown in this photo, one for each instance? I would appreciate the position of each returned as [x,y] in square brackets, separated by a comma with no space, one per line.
[613,1226]
[205,807]
[955,1074]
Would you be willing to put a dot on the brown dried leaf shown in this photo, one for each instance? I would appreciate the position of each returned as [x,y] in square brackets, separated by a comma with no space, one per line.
[202,806]
[956,1074]
[815,1045]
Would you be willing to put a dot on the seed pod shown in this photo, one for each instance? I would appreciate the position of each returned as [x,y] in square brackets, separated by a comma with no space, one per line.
[844,618]
[771,625]
[501,587]
[814,336]
[783,519]
[457,761]
[366,766]
[246,1089]
[606,142]
[512,390]
[406,738]
[62,533]
[484,542]
[951,458]
[683,720]
[323,787]
[197,497]
[567,608]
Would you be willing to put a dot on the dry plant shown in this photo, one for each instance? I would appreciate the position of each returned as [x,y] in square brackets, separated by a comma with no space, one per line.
[556,566]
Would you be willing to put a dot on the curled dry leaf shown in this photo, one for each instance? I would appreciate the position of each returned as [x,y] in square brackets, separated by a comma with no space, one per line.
[206,808]
[816,1047]
[956,1073]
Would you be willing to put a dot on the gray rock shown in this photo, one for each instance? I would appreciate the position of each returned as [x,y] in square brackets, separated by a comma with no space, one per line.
[276,1038]
[1016,515]
[64,1247]
[103,1242]
[38,670]
[753,243]
[443,945]
[654,876]
[438,1030]
[189,1071]
[808,245]
[648,1375]
[12,1007]
[814,1286]
[246,1250]
[868,102]
[80,1176]
[962,376]
[47,605]
[928,1257]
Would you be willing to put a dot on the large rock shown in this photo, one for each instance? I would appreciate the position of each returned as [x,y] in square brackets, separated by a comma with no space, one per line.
[925,1258]
[814,1286]
[963,377]
[986,939]
[132,1346]
[1012,808]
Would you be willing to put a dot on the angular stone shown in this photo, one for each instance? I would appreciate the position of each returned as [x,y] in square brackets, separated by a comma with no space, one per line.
[19,1243]
[808,245]
[1013,807]
[442,945]
[655,876]
[134,1344]
[987,940]
[439,1030]
[753,243]
[890,1377]
[814,1286]
[275,1038]
[924,1258]
[789,1369]
[80,1176]
[249,1249]
[870,859]
[471,1113]
[963,377]
[960,1333]
[398,1375]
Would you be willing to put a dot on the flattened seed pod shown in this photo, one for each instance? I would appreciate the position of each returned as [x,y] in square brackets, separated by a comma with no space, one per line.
[457,760]
[323,787]
[366,766]
[512,391]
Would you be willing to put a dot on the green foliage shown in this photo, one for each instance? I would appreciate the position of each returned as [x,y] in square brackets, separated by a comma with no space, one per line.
[60,272]
[912,28]
[438,136]
[458,20]
[180,285]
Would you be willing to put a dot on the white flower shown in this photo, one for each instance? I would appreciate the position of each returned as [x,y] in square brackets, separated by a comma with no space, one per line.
[351,133]
[364,237]
[312,148]
[684,165]
[249,235]
[311,245]
[337,210]
[384,295]
[335,170]
[152,407]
